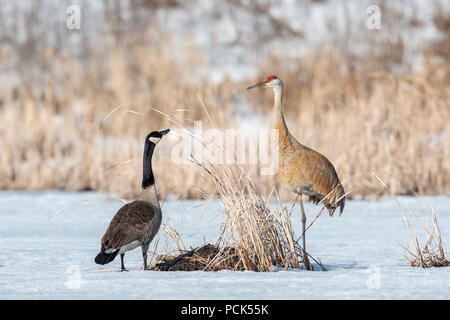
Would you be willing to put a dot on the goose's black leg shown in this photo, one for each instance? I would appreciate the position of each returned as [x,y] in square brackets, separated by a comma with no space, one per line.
[121,260]
[145,260]
[144,255]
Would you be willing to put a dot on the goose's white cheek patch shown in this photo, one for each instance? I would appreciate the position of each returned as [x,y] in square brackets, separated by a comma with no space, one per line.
[154,139]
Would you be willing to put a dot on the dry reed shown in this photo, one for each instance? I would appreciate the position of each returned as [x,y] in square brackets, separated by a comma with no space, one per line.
[261,238]
[431,253]
[73,124]
[252,237]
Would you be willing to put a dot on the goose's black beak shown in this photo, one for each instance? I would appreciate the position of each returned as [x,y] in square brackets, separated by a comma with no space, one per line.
[164,132]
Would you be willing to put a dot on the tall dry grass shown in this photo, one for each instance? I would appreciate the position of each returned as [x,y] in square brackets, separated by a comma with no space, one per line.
[77,123]
[81,133]
[252,237]
[431,253]
[82,127]
[260,238]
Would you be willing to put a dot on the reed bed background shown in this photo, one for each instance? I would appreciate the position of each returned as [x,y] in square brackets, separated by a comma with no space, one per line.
[76,120]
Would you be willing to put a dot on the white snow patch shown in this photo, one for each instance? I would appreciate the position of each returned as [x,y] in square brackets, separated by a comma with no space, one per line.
[362,250]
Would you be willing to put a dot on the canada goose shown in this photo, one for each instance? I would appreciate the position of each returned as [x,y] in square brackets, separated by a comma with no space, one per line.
[136,223]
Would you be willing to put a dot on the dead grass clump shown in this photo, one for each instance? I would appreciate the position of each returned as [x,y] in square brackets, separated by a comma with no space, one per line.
[431,253]
[260,238]
[253,237]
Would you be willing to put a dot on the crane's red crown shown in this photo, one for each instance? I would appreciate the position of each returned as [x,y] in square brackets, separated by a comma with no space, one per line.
[272,77]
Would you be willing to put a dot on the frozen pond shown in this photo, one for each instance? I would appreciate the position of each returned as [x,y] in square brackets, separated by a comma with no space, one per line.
[44,255]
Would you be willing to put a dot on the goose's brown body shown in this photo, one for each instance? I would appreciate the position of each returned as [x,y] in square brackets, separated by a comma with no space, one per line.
[135,223]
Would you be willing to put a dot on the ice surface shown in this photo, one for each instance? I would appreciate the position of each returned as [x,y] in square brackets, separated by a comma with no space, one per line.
[44,255]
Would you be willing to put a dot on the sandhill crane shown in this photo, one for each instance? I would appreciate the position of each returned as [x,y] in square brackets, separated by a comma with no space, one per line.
[136,223]
[303,170]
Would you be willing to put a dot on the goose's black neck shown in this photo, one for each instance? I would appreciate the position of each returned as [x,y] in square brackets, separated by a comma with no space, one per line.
[147,178]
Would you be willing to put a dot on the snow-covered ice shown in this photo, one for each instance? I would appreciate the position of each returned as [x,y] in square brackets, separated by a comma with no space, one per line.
[46,253]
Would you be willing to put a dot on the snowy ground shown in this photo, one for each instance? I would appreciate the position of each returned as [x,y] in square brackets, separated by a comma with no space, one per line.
[47,256]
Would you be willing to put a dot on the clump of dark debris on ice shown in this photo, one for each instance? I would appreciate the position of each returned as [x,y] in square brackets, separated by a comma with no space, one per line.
[207,257]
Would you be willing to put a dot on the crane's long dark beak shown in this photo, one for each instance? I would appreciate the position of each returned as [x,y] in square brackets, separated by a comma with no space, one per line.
[164,132]
[259,84]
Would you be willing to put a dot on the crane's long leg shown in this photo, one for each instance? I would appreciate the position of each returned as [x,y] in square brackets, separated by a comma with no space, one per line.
[305,255]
